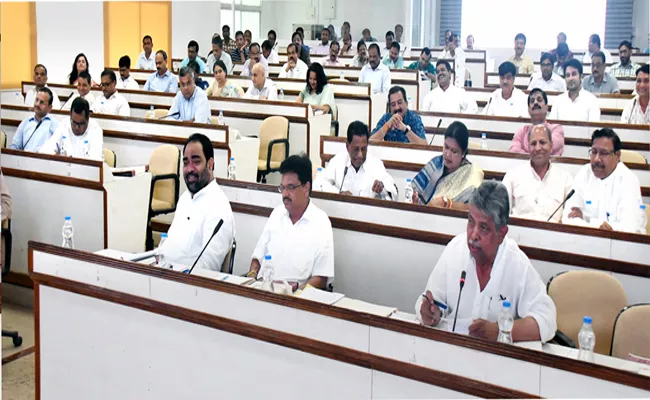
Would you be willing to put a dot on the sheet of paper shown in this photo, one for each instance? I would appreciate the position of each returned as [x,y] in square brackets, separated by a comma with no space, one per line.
[140,256]
[362,306]
[320,296]
[219,276]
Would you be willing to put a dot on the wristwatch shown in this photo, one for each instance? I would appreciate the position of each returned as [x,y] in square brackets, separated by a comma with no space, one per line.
[408,128]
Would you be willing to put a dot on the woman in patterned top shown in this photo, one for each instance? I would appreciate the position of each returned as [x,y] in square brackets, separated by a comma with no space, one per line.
[221,86]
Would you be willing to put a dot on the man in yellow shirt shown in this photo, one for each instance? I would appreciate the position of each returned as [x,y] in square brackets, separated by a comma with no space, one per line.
[523,63]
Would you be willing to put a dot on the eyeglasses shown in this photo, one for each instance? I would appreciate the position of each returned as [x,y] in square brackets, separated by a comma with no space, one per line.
[289,187]
[601,153]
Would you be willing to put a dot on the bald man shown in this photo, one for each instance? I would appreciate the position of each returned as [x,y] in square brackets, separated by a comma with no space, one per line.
[262,88]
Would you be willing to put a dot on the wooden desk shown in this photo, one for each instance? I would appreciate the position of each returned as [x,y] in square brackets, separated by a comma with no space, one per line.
[119,316]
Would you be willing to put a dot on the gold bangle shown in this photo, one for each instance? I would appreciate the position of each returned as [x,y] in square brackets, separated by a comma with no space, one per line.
[450,203]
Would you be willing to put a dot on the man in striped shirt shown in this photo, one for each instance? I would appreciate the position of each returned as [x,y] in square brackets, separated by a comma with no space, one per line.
[625,68]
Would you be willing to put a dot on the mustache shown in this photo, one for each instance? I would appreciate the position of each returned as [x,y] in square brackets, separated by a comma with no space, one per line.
[286,198]
[474,243]
[537,107]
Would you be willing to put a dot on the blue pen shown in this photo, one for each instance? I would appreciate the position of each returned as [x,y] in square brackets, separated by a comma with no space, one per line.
[436,302]
[607,217]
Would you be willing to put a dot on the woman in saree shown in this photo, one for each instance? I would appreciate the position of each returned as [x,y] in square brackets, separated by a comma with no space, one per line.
[448,180]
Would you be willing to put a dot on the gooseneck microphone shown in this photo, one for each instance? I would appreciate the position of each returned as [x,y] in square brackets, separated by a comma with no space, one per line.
[171,115]
[214,233]
[568,196]
[345,172]
[434,132]
[462,283]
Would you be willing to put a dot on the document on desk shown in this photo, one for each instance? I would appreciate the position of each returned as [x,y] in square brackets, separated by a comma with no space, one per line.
[319,296]
[220,276]
[362,306]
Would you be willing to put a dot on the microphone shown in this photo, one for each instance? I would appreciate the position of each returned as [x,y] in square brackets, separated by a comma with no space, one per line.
[631,111]
[488,106]
[216,229]
[69,98]
[170,115]
[434,132]
[345,172]
[568,196]
[462,283]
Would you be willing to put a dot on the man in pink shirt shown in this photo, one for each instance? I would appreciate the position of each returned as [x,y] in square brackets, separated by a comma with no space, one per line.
[537,109]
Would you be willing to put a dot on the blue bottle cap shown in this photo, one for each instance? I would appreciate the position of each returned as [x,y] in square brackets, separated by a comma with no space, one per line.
[267,257]
[320,169]
[506,304]
[68,218]
[408,180]
[85,142]
[588,202]
[232,158]
[586,319]
[163,235]
[642,206]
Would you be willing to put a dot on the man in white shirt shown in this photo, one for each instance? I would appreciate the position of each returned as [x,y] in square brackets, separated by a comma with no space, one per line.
[191,103]
[537,190]
[607,194]
[508,101]
[496,271]
[162,80]
[390,38]
[199,211]
[254,57]
[83,90]
[40,81]
[594,47]
[447,97]
[79,136]
[356,173]
[269,54]
[636,110]
[375,73]
[34,131]
[576,104]
[111,102]
[126,81]
[298,235]
[262,88]
[547,80]
[453,51]
[323,47]
[294,68]
[218,54]
[146,59]
[333,59]
[348,49]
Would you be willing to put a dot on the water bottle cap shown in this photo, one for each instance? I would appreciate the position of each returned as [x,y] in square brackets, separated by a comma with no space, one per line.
[320,169]
[642,206]
[506,304]
[232,158]
[64,136]
[68,218]
[85,142]
[267,257]
[483,134]
[588,202]
[408,180]
[163,235]
[586,319]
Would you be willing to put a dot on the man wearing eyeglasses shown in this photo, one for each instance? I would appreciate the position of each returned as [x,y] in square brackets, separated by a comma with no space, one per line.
[546,79]
[607,194]
[111,102]
[298,235]
[72,134]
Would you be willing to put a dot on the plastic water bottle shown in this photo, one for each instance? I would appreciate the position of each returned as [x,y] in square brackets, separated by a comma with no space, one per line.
[342,76]
[160,257]
[281,95]
[152,112]
[589,211]
[232,168]
[484,145]
[505,324]
[267,274]
[408,192]
[86,149]
[644,219]
[64,144]
[220,118]
[587,341]
[68,234]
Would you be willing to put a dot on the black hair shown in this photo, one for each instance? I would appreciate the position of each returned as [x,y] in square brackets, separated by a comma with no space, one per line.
[224,27]
[239,33]
[49,94]
[294,35]
[300,29]
[208,151]
[507,68]
[85,75]
[458,131]
[607,133]
[522,37]
[531,95]
[147,37]
[574,64]
[325,29]
[40,66]
[110,73]
[335,43]
[218,41]
[595,39]
[547,56]
[376,47]
[295,47]
[562,49]
[395,45]
[74,74]
[163,54]
[300,165]
[599,54]
[452,37]
[266,45]
[80,106]
[321,78]
[125,62]
[625,43]
[358,128]
[194,44]
[645,68]
[397,89]
[426,51]
[272,32]
[222,65]
[194,66]
[445,63]
[390,34]
[361,43]
[254,44]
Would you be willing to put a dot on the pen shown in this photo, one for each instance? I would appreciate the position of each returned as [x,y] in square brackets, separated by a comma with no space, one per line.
[607,217]
[436,302]
[225,278]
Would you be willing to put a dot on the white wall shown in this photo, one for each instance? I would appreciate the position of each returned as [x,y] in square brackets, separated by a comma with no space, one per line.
[197,20]
[64,29]
[640,24]
[377,15]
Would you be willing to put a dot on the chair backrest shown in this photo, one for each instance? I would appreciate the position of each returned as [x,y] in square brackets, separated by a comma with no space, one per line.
[271,129]
[632,156]
[338,80]
[157,113]
[473,145]
[647,219]
[165,160]
[3,139]
[110,158]
[593,293]
[229,260]
[632,332]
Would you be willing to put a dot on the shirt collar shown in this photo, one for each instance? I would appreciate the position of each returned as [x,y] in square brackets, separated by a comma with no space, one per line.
[307,215]
[204,191]
[166,74]
[47,116]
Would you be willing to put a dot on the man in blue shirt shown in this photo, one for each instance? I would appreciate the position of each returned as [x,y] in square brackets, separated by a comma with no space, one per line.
[191,103]
[400,124]
[192,55]
[162,80]
[34,131]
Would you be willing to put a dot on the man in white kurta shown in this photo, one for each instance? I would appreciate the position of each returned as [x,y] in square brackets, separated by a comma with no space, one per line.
[111,102]
[199,211]
[546,79]
[607,194]
[507,101]
[70,137]
[576,104]
[447,97]
[375,73]
[262,88]
[294,68]
[83,90]
[537,189]
[298,235]
[355,172]
[497,270]
[636,111]
[453,51]
[40,80]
